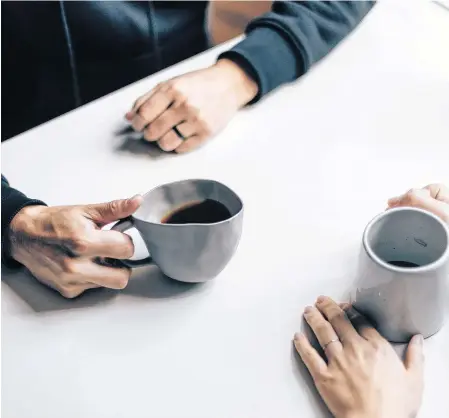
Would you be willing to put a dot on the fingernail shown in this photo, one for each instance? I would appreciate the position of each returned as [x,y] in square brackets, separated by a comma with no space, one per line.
[308,309]
[129,115]
[420,339]
[344,306]
[321,299]
[136,196]
[297,336]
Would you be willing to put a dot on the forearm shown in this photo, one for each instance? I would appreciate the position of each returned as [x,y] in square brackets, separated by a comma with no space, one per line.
[282,45]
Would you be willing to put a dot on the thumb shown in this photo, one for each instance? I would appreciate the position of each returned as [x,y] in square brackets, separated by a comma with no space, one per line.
[414,197]
[105,213]
[414,356]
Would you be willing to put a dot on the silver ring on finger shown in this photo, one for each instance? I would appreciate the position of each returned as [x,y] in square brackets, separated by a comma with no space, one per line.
[334,340]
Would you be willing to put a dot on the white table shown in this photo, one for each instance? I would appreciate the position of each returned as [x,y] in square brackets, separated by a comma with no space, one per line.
[313,163]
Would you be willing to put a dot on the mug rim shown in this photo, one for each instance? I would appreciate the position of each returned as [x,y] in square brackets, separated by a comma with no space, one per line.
[416,270]
[193,223]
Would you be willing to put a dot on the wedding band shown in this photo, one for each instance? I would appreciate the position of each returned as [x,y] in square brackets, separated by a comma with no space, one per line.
[180,135]
[334,340]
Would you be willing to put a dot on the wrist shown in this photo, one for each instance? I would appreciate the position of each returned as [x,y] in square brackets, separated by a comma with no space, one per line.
[22,224]
[240,83]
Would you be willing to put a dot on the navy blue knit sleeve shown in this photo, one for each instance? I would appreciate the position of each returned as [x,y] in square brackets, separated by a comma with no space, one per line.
[282,45]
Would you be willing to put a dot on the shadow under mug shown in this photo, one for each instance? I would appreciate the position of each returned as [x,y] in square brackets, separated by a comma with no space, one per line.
[191,252]
[403,278]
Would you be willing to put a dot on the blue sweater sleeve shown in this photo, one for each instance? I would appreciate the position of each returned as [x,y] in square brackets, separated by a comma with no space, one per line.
[282,45]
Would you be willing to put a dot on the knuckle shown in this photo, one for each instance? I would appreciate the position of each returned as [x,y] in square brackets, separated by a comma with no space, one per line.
[122,281]
[377,353]
[178,96]
[339,359]
[114,206]
[324,377]
[182,150]
[69,292]
[194,113]
[336,317]
[69,266]
[376,344]
[128,248]
[165,145]
[80,245]
[144,110]
[207,130]
[149,133]
[413,196]
[184,107]
[156,128]
[369,350]
[321,328]
[169,85]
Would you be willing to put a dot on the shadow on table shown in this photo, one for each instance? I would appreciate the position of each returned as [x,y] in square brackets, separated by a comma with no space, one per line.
[147,282]
[43,299]
[133,143]
[304,379]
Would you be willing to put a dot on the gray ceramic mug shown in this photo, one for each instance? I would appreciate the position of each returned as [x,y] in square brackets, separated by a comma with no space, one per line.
[186,252]
[401,300]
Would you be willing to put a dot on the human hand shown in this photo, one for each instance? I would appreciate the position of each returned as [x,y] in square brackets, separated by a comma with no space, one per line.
[59,244]
[182,113]
[363,376]
[434,198]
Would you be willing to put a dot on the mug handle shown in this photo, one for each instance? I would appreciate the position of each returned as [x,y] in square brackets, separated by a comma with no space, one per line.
[122,226]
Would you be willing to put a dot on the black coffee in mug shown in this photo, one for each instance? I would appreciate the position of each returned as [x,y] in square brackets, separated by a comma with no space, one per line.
[406,264]
[208,211]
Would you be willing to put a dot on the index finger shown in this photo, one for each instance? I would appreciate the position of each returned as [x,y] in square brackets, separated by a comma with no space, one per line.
[139,102]
[157,104]
[111,244]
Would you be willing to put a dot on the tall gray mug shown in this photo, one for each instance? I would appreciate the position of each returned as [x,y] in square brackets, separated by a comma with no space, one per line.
[194,251]
[403,278]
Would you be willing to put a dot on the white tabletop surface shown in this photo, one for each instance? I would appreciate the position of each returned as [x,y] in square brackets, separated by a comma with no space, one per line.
[312,162]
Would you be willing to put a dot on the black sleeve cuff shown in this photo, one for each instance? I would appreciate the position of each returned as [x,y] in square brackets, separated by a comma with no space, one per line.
[267,57]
